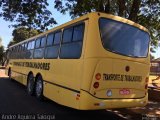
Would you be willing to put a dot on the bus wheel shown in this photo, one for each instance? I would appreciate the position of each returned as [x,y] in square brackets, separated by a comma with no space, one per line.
[39,88]
[30,84]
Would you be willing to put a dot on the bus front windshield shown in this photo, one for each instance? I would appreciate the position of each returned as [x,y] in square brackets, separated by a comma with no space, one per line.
[123,39]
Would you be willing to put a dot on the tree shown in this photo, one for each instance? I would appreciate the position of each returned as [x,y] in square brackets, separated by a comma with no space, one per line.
[0,41]
[22,33]
[1,54]
[30,13]
[144,12]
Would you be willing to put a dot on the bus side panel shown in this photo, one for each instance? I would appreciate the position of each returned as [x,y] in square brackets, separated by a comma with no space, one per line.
[90,49]
[16,73]
[88,71]
[64,79]
[19,78]
[68,73]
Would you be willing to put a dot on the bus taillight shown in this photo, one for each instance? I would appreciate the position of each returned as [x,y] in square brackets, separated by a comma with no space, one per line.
[98,76]
[96,85]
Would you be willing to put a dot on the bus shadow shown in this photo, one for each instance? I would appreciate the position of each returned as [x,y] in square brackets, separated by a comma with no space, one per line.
[73,114]
[48,107]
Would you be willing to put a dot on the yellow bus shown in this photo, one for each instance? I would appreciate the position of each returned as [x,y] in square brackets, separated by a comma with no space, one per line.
[97,61]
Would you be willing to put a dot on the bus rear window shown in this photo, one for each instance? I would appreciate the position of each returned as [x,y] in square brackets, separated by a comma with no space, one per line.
[123,39]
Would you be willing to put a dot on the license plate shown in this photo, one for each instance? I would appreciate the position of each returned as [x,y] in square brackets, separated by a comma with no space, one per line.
[124,92]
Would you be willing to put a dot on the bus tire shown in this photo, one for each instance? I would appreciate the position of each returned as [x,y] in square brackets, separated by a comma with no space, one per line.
[30,84]
[39,87]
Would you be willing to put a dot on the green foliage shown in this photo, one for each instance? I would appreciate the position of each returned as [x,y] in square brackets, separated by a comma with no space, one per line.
[0,41]
[30,13]
[149,17]
[144,12]
[21,34]
[1,52]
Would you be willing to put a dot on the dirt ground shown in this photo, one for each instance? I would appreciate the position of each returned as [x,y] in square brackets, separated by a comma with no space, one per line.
[2,73]
[150,112]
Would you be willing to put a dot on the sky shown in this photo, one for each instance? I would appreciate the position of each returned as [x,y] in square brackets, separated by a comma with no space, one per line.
[6,32]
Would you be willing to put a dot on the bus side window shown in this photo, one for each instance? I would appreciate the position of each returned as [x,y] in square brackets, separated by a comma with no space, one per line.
[43,42]
[38,43]
[78,33]
[30,49]
[10,54]
[67,35]
[73,47]
[50,39]
[32,44]
[19,55]
[22,51]
[25,46]
[39,48]
[25,50]
[17,51]
[57,38]
[52,50]
[13,53]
